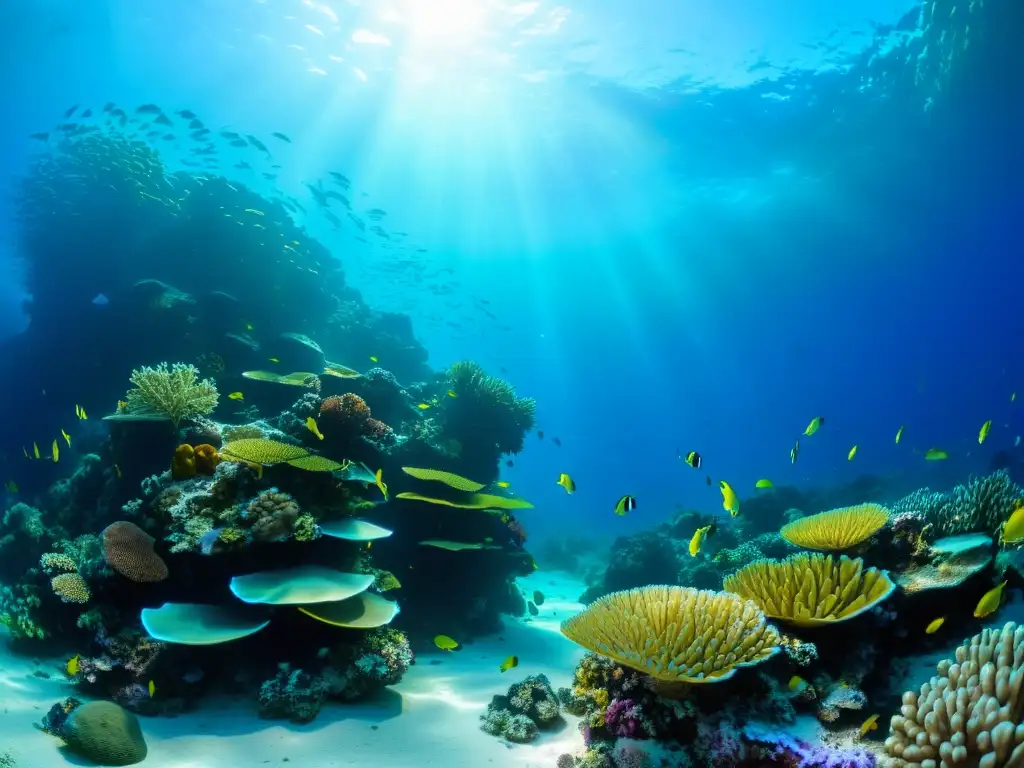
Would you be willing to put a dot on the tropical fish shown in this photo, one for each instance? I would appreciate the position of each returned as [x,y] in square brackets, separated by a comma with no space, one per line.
[797,683]
[273,360]
[11,486]
[55,451]
[249,327]
[35,449]
[815,425]
[707,480]
[66,436]
[693,459]
[794,452]
[1013,529]
[373,359]
[698,539]
[503,483]
[282,137]
[423,406]
[935,454]
[899,434]
[852,453]
[933,625]
[71,668]
[624,505]
[80,412]
[871,724]
[341,371]
[730,501]
[452,393]
[983,432]
[446,643]
[151,688]
[538,597]
[236,396]
[764,482]
[567,482]
[510,663]
[989,602]
[117,470]
[378,481]
[312,427]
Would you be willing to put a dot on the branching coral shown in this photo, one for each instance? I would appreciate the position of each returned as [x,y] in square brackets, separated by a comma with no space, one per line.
[28,520]
[175,392]
[70,588]
[983,504]
[836,529]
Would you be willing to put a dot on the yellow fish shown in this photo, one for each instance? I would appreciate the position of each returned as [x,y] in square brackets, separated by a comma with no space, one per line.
[151,688]
[730,501]
[794,452]
[373,359]
[899,434]
[67,437]
[764,482]
[71,668]
[503,483]
[935,454]
[510,663]
[273,360]
[11,486]
[1013,529]
[248,326]
[933,625]
[35,449]
[1013,397]
[117,469]
[377,480]
[423,406]
[797,683]
[80,412]
[983,432]
[55,451]
[567,482]
[697,539]
[236,396]
[445,643]
[852,453]
[989,602]
[815,425]
[25,451]
[452,393]
[312,427]
[871,724]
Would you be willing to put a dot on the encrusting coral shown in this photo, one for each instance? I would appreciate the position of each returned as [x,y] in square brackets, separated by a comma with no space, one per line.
[836,529]
[176,392]
[676,634]
[811,589]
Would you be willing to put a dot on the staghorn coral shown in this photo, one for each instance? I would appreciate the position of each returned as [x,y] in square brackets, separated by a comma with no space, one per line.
[836,529]
[968,714]
[983,504]
[56,562]
[676,634]
[129,550]
[811,589]
[175,392]
[70,588]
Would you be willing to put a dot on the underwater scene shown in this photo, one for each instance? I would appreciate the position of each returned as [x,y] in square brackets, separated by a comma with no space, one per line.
[512,384]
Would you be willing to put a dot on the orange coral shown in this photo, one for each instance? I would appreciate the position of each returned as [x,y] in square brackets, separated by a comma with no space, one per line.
[183,465]
[206,459]
[349,412]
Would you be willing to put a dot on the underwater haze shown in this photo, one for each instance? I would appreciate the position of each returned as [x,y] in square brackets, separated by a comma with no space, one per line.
[656,267]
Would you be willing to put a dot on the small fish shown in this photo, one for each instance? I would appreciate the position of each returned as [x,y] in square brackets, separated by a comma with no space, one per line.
[452,393]
[698,539]
[282,137]
[1013,529]
[80,412]
[989,602]
[66,436]
[935,454]
[797,683]
[25,451]
[373,359]
[852,453]
[510,663]
[871,724]
[71,668]
[538,597]
[117,470]
[707,480]
[624,505]
[236,396]
[510,463]
[540,434]
[764,482]
[312,427]
[249,327]
[151,688]
[693,459]
[933,625]
[273,360]
[794,452]
[377,478]
[899,434]
[730,501]
[35,450]
[55,451]
[503,483]
[445,643]
[567,482]
[983,432]
[11,486]
[557,442]
[423,406]
[815,425]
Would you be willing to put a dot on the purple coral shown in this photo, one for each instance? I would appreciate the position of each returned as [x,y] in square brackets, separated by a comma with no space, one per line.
[790,751]
[623,718]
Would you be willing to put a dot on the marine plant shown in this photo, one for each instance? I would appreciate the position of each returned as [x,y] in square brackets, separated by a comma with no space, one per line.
[175,392]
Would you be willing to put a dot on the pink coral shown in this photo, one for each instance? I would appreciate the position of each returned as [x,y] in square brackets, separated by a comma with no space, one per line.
[623,718]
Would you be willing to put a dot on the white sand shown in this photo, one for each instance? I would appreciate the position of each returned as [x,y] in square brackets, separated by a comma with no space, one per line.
[430,719]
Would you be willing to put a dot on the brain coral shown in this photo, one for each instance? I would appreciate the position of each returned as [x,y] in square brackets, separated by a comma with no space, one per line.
[348,413]
[811,589]
[105,733]
[836,529]
[968,714]
[129,550]
[675,634]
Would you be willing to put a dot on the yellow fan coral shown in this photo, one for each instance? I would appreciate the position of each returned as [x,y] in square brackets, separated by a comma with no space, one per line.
[314,463]
[261,451]
[836,529]
[676,634]
[811,589]
[449,479]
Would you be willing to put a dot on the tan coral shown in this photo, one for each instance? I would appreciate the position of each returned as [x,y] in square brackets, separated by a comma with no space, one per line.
[968,714]
[811,589]
[675,634]
[836,529]
[70,588]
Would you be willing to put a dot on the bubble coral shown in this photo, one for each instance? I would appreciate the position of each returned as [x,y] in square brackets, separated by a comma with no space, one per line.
[206,459]
[70,588]
[183,463]
[129,550]
[836,529]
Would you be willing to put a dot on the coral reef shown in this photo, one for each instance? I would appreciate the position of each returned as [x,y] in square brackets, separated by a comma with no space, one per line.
[982,504]
[529,706]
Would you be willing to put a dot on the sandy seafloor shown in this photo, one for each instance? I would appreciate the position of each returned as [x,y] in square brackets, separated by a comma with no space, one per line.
[431,718]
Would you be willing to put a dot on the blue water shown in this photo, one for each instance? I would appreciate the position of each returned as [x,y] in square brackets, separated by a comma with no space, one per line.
[697,227]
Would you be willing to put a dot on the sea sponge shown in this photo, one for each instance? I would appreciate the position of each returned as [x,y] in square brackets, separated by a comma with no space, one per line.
[836,529]
[183,463]
[105,733]
[206,459]
[811,589]
[176,392]
[968,713]
[129,550]
[70,588]
[676,634]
